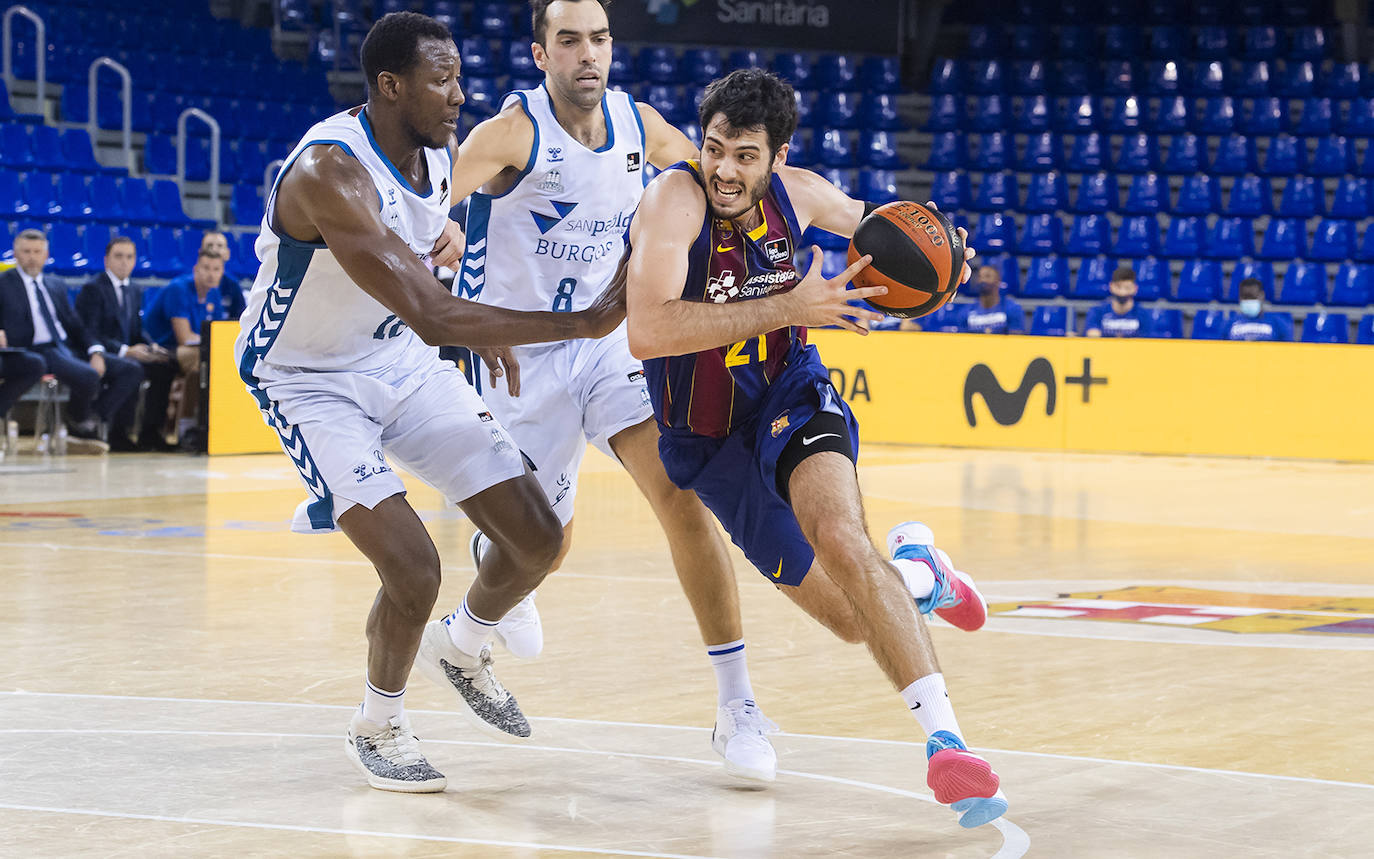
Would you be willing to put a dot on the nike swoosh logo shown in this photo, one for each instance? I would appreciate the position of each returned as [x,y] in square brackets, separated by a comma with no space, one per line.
[720,249]
[815,438]
[778,574]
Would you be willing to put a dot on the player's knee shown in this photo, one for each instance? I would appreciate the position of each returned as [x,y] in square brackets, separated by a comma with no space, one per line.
[841,550]
[415,588]
[535,551]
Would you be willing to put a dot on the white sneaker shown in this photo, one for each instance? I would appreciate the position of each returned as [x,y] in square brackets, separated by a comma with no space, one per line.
[741,737]
[482,699]
[389,755]
[521,632]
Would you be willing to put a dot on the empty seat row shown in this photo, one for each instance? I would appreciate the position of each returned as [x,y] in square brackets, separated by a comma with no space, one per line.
[80,198]
[1075,41]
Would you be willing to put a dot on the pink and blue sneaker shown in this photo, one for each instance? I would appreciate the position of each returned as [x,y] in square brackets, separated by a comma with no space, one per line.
[955,598]
[963,781]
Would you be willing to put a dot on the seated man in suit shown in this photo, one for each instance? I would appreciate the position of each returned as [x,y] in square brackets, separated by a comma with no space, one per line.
[37,317]
[19,371]
[230,293]
[109,306]
[173,321]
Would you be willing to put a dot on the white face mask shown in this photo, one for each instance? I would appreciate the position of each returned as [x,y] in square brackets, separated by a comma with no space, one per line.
[1250,306]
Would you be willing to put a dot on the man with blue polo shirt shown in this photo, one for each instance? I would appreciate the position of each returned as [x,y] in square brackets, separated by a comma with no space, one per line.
[1252,323]
[173,320]
[994,313]
[1119,316]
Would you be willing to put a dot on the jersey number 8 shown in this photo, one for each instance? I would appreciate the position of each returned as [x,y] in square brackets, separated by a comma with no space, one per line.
[562,302]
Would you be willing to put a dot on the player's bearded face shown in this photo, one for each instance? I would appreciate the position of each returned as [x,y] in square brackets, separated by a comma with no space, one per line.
[736,169]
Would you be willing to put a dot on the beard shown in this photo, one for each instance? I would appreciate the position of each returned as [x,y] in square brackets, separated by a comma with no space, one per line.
[748,198]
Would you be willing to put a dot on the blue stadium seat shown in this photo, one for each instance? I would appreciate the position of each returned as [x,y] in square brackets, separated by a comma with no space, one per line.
[1139,154]
[520,63]
[1165,42]
[1093,275]
[1334,156]
[879,110]
[1097,192]
[1303,197]
[1344,81]
[1028,41]
[1010,267]
[1236,155]
[137,200]
[1048,277]
[1048,192]
[879,149]
[162,254]
[243,261]
[1286,156]
[945,79]
[1043,153]
[1075,41]
[995,233]
[1166,323]
[1118,76]
[989,113]
[876,74]
[1041,234]
[1138,236]
[1079,115]
[1175,115]
[996,193]
[1365,251]
[984,77]
[1090,235]
[1364,335]
[792,67]
[1230,238]
[1218,116]
[1183,238]
[1265,116]
[947,152]
[1152,278]
[1199,281]
[477,57]
[1211,43]
[1296,80]
[623,62]
[1303,283]
[106,203]
[1089,153]
[1209,79]
[1317,118]
[1147,195]
[1260,43]
[64,251]
[74,198]
[799,151]
[1323,327]
[1351,199]
[984,41]
[950,190]
[1251,196]
[1358,120]
[1284,238]
[1121,41]
[1307,43]
[948,319]
[1211,324]
[1200,195]
[877,186]
[835,149]
[995,151]
[1162,78]
[47,149]
[1186,155]
[1050,320]
[16,147]
[41,194]
[1253,80]
[1034,114]
[1128,115]
[1028,77]
[834,72]
[78,152]
[839,110]
[1333,241]
[246,203]
[167,207]
[160,155]
[1263,271]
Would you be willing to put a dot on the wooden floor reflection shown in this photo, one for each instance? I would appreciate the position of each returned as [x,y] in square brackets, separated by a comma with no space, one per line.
[1179,664]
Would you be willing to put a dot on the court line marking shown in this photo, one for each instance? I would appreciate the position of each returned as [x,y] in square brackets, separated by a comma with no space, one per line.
[615,724]
[1015,841]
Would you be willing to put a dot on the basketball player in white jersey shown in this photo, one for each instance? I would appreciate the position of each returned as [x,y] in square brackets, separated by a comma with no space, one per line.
[562,168]
[337,347]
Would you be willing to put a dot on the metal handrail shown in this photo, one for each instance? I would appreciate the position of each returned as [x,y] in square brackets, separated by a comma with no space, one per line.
[126,94]
[197,113]
[40,47]
[269,175]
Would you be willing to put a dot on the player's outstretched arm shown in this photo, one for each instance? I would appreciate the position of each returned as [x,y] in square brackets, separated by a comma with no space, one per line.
[496,145]
[661,323]
[328,196]
[664,144]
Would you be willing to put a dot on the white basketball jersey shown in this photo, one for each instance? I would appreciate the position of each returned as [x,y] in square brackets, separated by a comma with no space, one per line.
[304,312]
[557,235]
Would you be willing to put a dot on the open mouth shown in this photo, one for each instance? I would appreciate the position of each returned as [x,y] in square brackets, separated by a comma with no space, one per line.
[727,193]
[588,79]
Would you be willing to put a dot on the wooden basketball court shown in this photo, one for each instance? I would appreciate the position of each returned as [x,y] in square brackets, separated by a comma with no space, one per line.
[1181,663]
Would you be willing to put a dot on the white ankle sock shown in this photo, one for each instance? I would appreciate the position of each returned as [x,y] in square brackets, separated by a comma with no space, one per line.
[467,631]
[379,705]
[732,671]
[929,703]
[917,577]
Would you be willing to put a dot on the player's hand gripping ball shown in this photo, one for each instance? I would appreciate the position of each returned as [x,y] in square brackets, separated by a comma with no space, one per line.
[917,254]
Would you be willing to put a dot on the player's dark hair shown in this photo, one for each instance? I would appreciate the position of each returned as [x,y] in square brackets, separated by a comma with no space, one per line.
[1123,274]
[206,253]
[751,99]
[541,12]
[117,240]
[393,43]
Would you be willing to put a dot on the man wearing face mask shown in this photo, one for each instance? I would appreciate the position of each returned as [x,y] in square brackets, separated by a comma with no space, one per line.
[994,313]
[1119,316]
[1253,323]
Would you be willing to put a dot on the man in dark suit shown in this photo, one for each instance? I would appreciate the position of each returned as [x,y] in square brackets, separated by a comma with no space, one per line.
[108,305]
[39,319]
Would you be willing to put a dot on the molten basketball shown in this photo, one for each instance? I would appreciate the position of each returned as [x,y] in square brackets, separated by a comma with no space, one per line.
[916,254]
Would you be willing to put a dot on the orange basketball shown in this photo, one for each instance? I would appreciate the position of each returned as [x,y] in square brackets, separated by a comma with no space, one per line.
[916,254]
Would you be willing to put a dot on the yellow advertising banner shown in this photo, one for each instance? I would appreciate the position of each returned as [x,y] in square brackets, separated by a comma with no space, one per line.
[1302,400]
[236,425]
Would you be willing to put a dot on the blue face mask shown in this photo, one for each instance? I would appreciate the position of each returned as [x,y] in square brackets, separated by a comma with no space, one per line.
[1250,306]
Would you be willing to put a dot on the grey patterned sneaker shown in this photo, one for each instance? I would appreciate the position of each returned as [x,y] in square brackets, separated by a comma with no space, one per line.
[389,755]
[482,699]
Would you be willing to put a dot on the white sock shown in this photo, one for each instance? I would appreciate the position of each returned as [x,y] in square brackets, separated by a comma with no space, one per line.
[918,577]
[929,703]
[467,631]
[184,424]
[732,671]
[379,705]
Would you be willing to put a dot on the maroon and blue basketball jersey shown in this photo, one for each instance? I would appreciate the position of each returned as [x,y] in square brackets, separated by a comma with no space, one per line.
[712,392]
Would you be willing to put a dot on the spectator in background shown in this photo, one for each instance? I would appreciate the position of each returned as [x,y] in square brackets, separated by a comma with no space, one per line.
[1119,316]
[231,294]
[109,305]
[174,321]
[37,317]
[19,371]
[1253,323]
[994,313]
